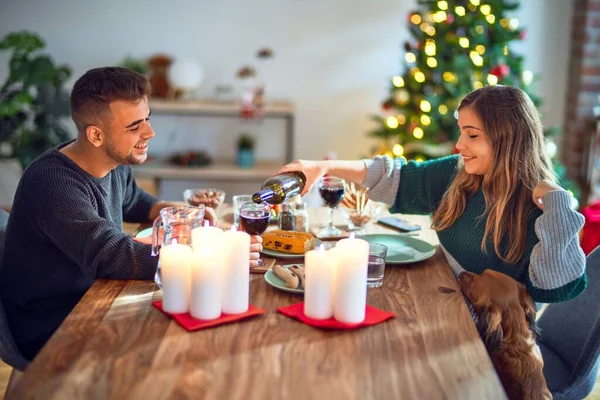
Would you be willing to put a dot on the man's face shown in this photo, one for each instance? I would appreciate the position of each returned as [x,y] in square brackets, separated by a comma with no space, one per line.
[129,132]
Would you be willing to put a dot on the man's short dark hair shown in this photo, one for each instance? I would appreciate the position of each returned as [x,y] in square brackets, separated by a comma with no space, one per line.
[97,88]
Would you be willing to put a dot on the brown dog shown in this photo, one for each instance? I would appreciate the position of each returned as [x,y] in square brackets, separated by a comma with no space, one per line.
[507,327]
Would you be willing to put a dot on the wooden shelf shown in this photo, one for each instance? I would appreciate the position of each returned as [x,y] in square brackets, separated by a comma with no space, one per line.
[220,170]
[213,107]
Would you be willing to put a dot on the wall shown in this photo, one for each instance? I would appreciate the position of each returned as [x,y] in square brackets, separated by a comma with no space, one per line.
[334,58]
[582,138]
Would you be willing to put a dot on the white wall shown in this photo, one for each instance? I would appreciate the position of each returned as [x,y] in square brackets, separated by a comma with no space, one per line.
[334,58]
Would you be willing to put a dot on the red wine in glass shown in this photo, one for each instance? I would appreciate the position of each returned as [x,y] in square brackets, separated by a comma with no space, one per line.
[254,219]
[254,222]
[331,190]
[332,196]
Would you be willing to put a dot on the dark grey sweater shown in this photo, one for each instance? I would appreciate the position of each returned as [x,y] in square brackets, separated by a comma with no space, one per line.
[64,231]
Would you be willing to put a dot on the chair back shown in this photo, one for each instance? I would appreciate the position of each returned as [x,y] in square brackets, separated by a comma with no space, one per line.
[9,352]
[572,328]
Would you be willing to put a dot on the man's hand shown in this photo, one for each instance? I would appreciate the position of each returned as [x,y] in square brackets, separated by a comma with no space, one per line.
[255,249]
[255,246]
[211,216]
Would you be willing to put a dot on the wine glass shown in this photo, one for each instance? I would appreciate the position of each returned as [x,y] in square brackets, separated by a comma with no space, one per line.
[254,219]
[332,191]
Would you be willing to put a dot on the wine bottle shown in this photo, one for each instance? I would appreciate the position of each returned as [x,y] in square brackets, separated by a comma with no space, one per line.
[280,188]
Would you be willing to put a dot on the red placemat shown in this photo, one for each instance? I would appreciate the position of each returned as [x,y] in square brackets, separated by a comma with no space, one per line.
[192,324]
[373,316]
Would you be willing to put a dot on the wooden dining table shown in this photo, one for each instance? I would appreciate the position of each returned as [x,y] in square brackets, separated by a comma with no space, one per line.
[116,345]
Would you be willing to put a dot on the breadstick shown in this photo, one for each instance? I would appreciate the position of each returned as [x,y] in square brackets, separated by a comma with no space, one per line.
[291,279]
[299,271]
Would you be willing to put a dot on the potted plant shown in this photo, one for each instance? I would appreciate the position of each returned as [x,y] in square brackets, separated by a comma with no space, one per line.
[32,99]
[245,154]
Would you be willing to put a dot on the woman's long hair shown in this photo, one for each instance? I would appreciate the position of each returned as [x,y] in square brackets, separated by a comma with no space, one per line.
[513,127]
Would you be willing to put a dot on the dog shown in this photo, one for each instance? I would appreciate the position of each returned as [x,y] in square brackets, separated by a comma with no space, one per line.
[506,323]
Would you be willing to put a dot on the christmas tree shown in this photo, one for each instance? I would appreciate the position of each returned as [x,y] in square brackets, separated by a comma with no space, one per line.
[456,46]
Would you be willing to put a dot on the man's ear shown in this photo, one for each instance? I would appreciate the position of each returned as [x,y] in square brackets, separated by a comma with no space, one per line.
[490,327]
[528,306]
[94,135]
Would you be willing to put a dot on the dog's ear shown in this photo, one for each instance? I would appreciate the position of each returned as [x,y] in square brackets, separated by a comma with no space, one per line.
[490,327]
[528,306]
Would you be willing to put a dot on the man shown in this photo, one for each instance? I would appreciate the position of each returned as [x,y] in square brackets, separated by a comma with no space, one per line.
[64,230]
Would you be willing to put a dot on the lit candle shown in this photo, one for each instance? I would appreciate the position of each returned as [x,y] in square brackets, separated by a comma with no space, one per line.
[350,293]
[206,236]
[236,272]
[319,269]
[205,299]
[175,262]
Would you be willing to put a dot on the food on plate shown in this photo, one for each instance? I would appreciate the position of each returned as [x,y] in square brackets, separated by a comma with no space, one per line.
[293,275]
[288,241]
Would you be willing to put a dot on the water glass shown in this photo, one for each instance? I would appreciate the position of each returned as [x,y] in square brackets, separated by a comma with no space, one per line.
[237,203]
[377,254]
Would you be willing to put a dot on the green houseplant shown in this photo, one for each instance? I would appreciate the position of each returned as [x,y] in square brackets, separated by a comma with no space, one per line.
[245,154]
[32,99]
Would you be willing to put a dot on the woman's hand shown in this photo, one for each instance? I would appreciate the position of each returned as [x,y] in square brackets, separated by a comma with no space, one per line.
[313,170]
[541,189]
[255,249]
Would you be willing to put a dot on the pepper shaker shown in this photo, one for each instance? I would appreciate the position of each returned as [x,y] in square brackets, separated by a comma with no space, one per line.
[287,221]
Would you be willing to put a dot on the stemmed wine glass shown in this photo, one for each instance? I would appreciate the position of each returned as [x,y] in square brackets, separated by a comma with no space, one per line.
[332,191]
[254,219]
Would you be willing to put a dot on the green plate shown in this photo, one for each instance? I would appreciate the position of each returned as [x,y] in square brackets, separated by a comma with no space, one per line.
[402,249]
[144,233]
[280,254]
[279,283]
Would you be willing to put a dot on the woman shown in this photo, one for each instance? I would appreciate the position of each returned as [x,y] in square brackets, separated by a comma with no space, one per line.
[494,206]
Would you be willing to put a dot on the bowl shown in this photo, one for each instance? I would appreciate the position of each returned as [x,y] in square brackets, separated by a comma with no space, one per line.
[357,220]
[210,197]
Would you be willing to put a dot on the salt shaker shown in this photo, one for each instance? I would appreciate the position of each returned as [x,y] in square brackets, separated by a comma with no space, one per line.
[301,217]
[287,221]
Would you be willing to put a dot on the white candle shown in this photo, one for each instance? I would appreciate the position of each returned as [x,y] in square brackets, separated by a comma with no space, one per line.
[206,236]
[205,299]
[319,269]
[175,270]
[350,291]
[236,272]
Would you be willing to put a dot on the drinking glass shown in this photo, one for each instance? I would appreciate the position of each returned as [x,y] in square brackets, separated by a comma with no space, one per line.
[254,219]
[377,254]
[332,191]
[237,201]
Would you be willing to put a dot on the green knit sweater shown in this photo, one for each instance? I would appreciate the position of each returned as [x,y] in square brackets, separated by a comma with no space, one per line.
[553,265]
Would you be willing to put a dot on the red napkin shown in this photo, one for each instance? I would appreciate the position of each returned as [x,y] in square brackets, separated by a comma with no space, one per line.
[373,316]
[192,324]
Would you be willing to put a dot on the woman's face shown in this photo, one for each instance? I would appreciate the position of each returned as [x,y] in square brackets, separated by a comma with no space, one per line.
[473,143]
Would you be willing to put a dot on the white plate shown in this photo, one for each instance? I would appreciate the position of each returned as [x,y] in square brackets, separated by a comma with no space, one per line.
[144,233]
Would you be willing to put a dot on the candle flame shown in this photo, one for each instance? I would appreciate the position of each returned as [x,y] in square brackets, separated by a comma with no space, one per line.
[206,223]
[351,236]
[322,247]
[233,228]
[174,241]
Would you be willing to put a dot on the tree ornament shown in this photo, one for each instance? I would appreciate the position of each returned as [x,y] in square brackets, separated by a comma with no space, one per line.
[500,70]
[407,46]
[449,18]
[387,105]
[523,35]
